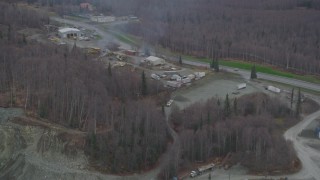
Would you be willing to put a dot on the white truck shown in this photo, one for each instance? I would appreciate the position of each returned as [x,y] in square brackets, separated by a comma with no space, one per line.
[156,77]
[241,86]
[176,77]
[169,102]
[185,80]
[273,89]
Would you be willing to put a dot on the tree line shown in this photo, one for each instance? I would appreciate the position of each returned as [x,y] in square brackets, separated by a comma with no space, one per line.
[283,34]
[250,127]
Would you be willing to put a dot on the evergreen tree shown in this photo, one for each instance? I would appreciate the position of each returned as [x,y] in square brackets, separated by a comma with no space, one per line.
[9,32]
[212,64]
[217,68]
[292,93]
[144,91]
[24,39]
[180,60]
[235,106]
[253,72]
[298,105]
[74,47]
[109,69]
[201,123]
[227,109]
[209,176]
[208,118]
[147,51]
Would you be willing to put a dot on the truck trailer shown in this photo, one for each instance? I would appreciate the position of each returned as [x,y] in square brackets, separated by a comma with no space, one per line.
[241,86]
[273,89]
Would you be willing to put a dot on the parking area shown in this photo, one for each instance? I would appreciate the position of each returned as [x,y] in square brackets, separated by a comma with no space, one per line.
[216,85]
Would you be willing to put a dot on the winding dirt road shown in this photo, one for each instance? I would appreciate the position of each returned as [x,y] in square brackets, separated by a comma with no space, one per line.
[307,155]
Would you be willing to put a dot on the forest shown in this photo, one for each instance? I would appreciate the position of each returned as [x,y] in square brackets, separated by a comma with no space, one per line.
[119,109]
[285,34]
[250,127]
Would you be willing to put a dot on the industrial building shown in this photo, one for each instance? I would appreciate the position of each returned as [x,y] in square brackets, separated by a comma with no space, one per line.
[69,33]
[155,61]
[102,19]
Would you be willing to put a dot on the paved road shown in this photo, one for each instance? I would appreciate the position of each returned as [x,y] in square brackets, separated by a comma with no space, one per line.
[246,75]
[293,82]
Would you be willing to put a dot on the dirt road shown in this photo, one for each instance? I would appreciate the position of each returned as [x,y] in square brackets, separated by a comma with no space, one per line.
[308,156]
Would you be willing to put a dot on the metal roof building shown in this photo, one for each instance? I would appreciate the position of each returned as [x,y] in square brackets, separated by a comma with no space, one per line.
[155,61]
[69,33]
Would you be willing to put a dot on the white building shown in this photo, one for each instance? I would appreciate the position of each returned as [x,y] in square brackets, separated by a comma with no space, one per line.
[102,19]
[69,33]
[155,61]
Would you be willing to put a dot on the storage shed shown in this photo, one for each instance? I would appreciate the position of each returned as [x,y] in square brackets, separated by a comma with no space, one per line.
[69,33]
[155,61]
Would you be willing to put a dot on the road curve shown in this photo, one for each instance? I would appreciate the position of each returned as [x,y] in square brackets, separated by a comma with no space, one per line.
[306,154]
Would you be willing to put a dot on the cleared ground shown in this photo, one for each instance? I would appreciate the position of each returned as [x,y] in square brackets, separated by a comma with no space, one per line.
[216,85]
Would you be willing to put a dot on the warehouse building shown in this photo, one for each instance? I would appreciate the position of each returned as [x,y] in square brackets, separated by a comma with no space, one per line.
[69,33]
[103,19]
[155,61]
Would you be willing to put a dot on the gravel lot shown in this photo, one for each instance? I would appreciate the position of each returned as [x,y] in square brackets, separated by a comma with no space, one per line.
[213,85]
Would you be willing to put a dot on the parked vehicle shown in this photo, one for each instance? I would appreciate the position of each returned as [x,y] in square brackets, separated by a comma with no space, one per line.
[169,102]
[273,89]
[156,77]
[202,169]
[241,86]
[208,167]
[193,174]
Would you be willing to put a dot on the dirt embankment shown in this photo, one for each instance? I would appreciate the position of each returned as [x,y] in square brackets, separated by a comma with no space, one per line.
[38,152]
